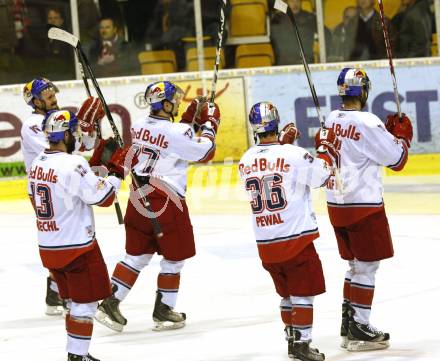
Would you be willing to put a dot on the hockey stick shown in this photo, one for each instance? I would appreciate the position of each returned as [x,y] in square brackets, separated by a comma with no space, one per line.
[284,8]
[86,84]
[218,51]
[386,37]
[64,36]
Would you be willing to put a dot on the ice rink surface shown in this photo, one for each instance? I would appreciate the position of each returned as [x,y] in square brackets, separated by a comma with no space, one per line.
[231,305]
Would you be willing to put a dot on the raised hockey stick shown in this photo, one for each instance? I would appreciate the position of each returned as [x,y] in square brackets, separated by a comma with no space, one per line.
[61,35]
[386,37]
[86,84]
[219,50]
[284,8]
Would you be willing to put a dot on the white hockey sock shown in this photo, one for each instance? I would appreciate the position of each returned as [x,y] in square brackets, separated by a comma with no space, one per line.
[302,316]
[362,290]
[168,281]
[127,271]
[79,326]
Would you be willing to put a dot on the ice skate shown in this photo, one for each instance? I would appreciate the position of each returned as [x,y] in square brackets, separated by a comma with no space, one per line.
[347,315]
[300,350]
[54,304]
[366,338]
[165,318]
[72,357]
[109,315]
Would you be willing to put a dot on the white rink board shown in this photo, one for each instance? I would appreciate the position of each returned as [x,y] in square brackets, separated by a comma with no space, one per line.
[230,301]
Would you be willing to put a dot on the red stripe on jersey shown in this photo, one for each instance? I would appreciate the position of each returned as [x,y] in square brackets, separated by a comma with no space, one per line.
[287,249]
[108,199]
[402,161]
[347,214]
[211,153]
[59,258]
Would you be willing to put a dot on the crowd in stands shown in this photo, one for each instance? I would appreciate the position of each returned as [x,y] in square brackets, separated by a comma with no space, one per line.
[115,32]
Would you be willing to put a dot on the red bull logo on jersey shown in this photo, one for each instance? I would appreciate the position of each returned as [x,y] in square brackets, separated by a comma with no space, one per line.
[38,173]
[145,135]
[349,133]
[262,165]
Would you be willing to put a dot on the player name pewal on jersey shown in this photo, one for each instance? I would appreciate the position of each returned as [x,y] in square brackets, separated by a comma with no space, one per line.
[145,135]
[269,220]
[262,165]
[38,173]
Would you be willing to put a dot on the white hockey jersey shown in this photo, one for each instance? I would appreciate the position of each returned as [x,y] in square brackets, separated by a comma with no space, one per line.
[33,139]
[278,179]
[63,189]
[366,147]
[165,148]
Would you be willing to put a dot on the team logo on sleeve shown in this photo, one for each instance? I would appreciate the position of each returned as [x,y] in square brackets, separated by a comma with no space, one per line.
[308,156]
[100,185]
[80,170]
[189,134]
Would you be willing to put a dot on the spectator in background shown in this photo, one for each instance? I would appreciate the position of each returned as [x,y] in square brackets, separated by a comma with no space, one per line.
[415,33]
[173,20]
[56,48]
[21,23]
[110,55]
[283,35]
[58,63]
[343,36]
[396,21]
[369,42]
[88,16]
[8,38]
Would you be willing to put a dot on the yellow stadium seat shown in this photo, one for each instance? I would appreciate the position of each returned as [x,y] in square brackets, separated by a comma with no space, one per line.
[248,18]
[157,62]
[254,55]
[192,61]
[308,5]
[434,45]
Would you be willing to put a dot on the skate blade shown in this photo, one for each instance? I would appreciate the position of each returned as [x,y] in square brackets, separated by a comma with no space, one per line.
[357,346]
[344,342]
[54,310]
[167,325]
[103,319]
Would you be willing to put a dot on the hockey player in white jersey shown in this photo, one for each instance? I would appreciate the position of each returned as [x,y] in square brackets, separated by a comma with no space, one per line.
[164,149]
[358,214]
[40,94]
[63,189]
[278,177]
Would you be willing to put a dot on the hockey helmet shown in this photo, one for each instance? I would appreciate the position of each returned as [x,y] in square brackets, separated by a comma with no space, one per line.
[34,89]
[156,93]
[352,82]
[264,117]
[56,122]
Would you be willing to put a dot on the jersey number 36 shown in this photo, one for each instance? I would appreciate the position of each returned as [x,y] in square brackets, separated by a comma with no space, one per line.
[267,193]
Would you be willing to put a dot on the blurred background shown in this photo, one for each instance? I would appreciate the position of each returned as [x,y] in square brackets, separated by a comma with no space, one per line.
[139,37]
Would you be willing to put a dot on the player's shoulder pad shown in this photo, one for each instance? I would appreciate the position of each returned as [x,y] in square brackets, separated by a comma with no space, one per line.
[76,163]
[370,120]
[183,129]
